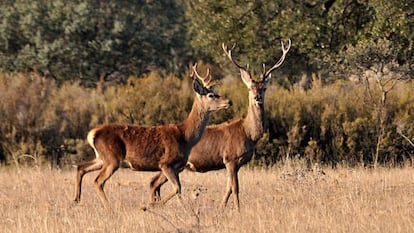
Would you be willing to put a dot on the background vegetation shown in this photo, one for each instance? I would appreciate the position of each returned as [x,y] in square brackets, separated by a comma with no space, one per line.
[344,94]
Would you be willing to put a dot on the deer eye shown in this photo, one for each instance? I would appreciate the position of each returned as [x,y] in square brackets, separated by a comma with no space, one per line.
[211,96]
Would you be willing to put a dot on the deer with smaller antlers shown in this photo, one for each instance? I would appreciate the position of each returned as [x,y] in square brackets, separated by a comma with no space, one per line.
[162,148]
[230,145]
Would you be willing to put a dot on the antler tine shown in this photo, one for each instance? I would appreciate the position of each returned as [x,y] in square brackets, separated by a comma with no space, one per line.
[279,63]
[207,80]
[228,53]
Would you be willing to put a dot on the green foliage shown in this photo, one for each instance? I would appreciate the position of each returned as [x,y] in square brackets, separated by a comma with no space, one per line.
[85,40]
[394,22]
[253,25]
[321,31]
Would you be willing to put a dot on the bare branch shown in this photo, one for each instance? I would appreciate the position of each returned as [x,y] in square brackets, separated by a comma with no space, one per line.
[399,131]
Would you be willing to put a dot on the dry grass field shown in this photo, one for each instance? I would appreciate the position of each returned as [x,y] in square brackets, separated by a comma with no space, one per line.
[282,199]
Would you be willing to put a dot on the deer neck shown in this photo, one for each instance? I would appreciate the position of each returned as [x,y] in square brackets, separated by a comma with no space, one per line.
[193,127]
[253,122]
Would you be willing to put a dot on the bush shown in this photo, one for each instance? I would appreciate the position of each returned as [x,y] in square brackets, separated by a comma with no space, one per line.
[333,123]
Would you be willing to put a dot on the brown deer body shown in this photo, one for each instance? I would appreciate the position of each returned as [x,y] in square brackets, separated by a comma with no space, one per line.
[162,148]
[231,144]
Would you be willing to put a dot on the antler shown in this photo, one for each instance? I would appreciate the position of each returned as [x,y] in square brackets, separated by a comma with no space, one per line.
[228,53]
[207,80]
[244,71]
[278,63]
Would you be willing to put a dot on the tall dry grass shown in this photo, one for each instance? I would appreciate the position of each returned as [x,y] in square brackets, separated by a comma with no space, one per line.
[284,199]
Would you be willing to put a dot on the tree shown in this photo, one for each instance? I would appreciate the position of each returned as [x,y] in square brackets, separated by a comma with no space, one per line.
[319,30]
[377,65]
[255,26]
[90,39]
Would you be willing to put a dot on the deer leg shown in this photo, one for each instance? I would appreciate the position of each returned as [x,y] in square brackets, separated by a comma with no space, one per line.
[235,188]
[229,170]
[82,169]
[100,180]
[173,177]
[155,187]
[154,191]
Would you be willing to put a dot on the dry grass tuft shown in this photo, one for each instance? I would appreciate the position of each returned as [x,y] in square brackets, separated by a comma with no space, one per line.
[277,200]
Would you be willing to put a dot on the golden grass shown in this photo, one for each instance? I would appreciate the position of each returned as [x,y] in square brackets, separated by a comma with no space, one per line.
[277,200]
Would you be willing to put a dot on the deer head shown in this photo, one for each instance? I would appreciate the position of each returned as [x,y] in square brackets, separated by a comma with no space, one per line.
[204,88]
[257,88]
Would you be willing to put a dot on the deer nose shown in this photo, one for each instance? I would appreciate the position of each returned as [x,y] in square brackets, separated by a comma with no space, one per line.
[230,103]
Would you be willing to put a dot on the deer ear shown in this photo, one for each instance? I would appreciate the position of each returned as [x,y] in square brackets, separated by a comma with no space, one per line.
[268,78]
[245,76]
[198,87]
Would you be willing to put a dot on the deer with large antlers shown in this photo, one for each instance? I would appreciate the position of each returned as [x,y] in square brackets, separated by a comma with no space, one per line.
[231,144]
[162,148]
